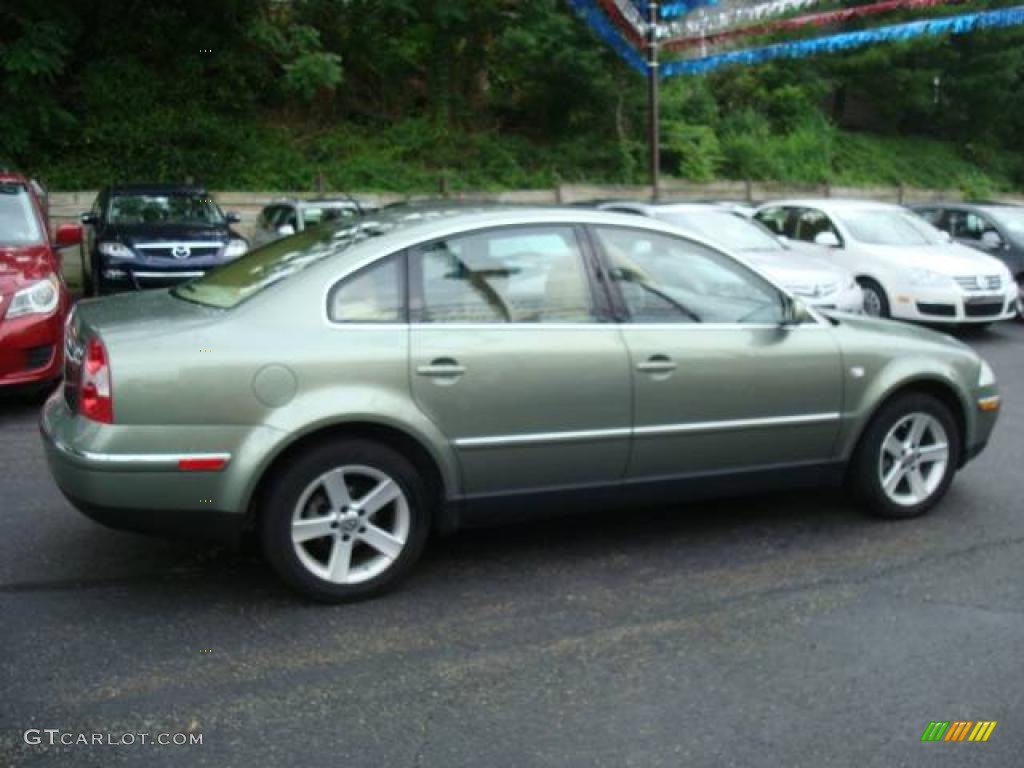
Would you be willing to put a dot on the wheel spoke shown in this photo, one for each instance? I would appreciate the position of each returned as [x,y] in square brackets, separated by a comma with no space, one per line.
[312,528]
[892,480]
[383,494]
[934,453]
[893,447]
[336,490]
[918,488]
[339,562]
[382,541]
[918,426]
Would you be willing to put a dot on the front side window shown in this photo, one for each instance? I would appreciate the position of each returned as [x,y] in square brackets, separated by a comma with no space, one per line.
[373,295]
[18,222]
[968,226]
[811,223]
[664,279]
[774,219]
[507,275]
[164,208]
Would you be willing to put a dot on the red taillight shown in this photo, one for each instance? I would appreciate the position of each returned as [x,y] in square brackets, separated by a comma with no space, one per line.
[204,464]
[95,398]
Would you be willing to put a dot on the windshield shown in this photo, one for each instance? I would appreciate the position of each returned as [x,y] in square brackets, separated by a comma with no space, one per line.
[18,222]
[164,208]
[884,227]
[236,281]
[726,229]
[1011,218]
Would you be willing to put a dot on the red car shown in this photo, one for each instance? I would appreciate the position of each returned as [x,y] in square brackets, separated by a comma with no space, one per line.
[34,300]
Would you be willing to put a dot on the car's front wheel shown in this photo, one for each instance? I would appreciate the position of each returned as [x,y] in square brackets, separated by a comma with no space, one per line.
[876,303]
[345,520]
[1020,297]
[907,457]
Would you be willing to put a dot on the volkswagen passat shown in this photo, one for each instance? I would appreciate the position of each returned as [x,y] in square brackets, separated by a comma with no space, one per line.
[907,268]
[344,392]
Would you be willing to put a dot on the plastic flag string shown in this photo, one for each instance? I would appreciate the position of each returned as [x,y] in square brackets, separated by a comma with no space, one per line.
[951,25]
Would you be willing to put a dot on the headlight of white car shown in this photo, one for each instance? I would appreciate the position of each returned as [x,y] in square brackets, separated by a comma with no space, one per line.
[928,278]
[987,377]
[40,298]
[116,250]
[235,248]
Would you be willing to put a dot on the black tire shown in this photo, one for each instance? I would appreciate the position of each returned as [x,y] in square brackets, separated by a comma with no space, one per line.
[87,276]
[868,285]
[867,466]
[287,489]
[1020,298]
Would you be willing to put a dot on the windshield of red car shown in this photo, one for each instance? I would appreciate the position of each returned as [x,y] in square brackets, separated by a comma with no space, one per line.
[19,224]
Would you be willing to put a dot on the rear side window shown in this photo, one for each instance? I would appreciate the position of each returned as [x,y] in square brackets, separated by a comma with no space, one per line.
[374,294]
[532,274]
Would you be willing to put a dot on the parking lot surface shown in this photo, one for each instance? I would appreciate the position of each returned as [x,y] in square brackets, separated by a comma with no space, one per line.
[776,630]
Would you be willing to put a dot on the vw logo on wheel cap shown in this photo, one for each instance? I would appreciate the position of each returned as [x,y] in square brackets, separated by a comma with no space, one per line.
[181,252]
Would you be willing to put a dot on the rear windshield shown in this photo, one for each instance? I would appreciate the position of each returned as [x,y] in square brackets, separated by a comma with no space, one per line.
[18,222]
[238,280]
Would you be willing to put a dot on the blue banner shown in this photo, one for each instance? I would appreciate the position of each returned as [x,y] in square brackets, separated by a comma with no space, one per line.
[952,25]
[607,31]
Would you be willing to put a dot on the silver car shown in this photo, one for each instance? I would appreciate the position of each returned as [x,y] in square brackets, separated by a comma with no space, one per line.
[817,282]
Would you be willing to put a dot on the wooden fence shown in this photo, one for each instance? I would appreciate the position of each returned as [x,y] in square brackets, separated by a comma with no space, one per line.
[67,206]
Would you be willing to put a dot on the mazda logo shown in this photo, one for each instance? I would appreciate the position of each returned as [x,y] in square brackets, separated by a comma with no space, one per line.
[181,252]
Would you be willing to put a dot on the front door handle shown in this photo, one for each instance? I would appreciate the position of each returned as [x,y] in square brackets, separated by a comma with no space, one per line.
[441,368]
[657,364]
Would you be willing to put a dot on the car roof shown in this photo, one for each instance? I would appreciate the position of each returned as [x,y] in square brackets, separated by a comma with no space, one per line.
[970,205]
[156,189]
[421,224]
[11,177]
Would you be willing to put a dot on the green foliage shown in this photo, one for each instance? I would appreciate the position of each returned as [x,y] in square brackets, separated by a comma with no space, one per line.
[393,94]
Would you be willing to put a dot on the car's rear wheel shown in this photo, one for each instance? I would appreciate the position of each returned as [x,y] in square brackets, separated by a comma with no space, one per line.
[876,303]
[1020,297]
[345,520]
[907,457]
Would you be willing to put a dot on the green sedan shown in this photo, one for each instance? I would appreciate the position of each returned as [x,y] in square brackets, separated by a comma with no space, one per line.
[345,392]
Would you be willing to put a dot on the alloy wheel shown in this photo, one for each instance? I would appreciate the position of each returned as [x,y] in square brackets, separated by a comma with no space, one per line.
[872,302]
[350,524]
[913,460]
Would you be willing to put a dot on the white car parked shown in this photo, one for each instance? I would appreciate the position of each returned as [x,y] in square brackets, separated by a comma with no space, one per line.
[907,268]
[815,281]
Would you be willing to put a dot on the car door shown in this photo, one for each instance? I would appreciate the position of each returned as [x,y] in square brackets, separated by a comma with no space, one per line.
[511,359]
[719,383]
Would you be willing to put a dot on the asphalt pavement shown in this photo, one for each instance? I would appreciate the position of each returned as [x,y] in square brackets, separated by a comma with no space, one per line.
[783,630]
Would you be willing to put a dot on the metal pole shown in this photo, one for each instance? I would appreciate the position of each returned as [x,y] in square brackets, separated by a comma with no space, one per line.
[653,128]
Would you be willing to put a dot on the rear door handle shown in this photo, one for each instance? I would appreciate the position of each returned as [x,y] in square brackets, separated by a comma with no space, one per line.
[657,364]
[442,367]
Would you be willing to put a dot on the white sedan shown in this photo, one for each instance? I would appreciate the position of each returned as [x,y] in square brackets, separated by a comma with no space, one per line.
[907,268]
[815,281]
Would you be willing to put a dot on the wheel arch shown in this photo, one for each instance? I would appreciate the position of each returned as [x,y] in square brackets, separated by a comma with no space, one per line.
[411,447]
[940,389]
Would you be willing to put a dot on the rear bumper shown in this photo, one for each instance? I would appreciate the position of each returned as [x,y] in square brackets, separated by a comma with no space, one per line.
[31,348]
[143,492]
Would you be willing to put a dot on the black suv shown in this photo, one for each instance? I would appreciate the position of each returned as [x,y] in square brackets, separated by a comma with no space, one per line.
[155,235]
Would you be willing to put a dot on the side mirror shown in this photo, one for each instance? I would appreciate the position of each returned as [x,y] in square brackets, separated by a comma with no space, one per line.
[88,218]
[991,239]
[827,239]
[794,312]
[68,235]
[232,217]
[286,230]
